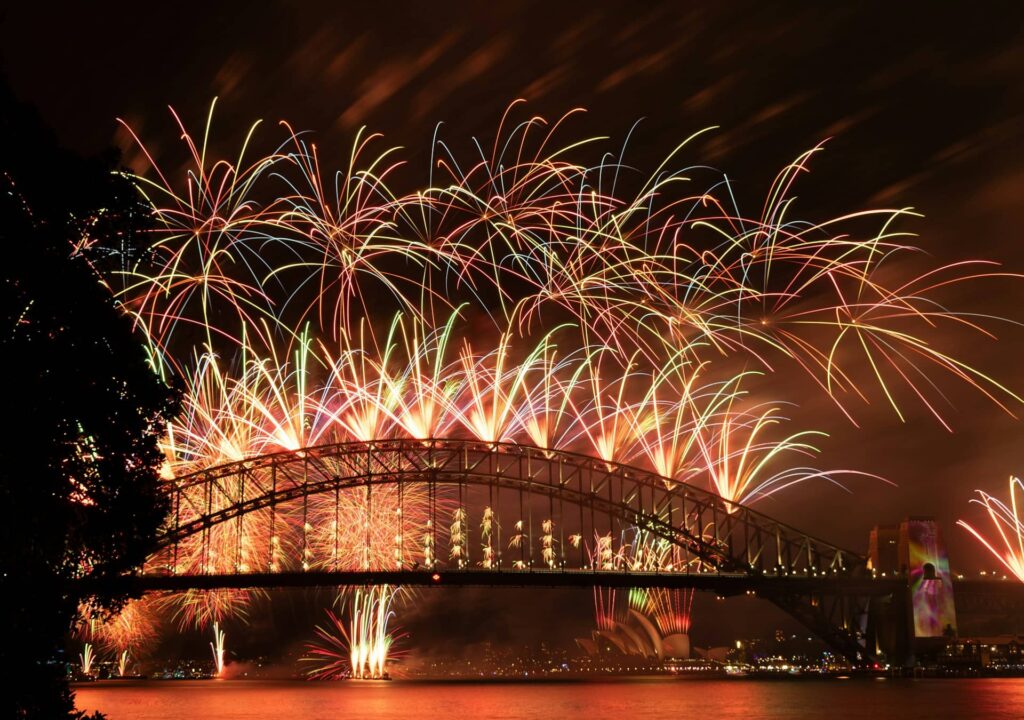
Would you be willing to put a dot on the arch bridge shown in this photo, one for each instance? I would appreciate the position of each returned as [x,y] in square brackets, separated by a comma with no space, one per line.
[465,512]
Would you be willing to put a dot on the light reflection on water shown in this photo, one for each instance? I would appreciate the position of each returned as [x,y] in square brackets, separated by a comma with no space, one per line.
[992,699]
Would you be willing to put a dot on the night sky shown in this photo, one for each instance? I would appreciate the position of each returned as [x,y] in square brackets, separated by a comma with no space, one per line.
[922,105]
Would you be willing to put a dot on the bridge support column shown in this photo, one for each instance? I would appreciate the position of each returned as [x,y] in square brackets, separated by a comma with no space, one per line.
[917,622]
[890,616]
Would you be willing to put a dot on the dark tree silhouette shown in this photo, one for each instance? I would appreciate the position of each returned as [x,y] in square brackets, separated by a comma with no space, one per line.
[79,492]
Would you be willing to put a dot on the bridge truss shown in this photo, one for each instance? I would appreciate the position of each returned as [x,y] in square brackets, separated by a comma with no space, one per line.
[408,511]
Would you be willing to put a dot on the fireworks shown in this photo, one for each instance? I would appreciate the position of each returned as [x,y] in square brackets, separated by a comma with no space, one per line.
[131,629]
[670,610]
[527,233]
[369,640]
[126,634]
[605,613]
[520,296]
[330,651]
[488,526]
[1008,524]
[362,650]
[201,608]
[290,353]
[122,663]
[86,658]
[217,648]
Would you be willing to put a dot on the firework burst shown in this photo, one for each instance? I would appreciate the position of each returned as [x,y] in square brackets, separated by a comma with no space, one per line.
[1006,543]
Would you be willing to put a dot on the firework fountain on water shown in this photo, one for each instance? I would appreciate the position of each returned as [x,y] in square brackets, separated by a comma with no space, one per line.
[86,658]
[217,649]
[362,650]
[517,296]
[122,663]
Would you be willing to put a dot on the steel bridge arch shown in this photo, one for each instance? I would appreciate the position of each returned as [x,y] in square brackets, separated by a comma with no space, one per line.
[727,538]
[741,539]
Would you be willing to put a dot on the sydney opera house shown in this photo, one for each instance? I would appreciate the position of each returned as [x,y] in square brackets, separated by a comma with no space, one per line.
[635,634]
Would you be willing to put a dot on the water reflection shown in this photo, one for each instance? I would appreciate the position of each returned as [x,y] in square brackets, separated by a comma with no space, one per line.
[993,699]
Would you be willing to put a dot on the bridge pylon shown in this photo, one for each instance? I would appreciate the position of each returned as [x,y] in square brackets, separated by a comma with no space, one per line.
[916,621]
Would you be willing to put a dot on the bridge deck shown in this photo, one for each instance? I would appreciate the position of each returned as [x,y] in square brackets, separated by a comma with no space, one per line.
[721,583]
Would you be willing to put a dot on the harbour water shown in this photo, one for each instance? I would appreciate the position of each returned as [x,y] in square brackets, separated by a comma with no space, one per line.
[624,699]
